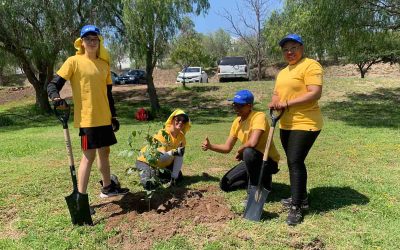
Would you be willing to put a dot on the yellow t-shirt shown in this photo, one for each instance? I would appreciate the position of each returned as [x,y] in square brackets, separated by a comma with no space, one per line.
[175,142]
[256,120]
[290,83]
[89,80]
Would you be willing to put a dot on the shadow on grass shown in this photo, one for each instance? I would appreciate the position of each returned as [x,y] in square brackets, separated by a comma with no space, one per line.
[28,116]
[377,109]
[203,109]
[197,101]
[324,199]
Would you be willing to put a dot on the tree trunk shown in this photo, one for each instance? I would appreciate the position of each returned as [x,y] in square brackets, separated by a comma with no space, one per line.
[40,86]
[151,90]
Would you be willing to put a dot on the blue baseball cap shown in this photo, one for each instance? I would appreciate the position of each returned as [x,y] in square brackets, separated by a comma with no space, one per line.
[89,29]
[291,37]
[243,97]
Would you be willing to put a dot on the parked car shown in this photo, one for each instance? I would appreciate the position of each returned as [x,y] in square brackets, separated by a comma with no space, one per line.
[133,76]
[234,67]
[192,74]
[114,76]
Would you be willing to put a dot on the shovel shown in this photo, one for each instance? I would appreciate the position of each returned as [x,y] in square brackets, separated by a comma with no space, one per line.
[78,203]
[258,194]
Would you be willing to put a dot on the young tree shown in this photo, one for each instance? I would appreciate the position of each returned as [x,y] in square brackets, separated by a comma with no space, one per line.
[150,27]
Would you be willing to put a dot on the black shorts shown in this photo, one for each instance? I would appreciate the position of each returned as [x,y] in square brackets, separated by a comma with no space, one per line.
[97,137]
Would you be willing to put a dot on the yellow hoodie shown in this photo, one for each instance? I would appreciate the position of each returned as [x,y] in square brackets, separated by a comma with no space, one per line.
[103,53]
[174,142]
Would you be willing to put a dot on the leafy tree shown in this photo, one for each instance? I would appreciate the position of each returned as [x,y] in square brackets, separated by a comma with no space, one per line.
[217,44]
[334,29]
[187,49]
[118,52]
[36,32]
[7,62]
[150,26]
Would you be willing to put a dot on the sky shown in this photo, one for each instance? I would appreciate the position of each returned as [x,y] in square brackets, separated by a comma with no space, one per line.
[212,21]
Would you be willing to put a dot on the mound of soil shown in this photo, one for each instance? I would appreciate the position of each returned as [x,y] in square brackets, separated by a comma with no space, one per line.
[175,211]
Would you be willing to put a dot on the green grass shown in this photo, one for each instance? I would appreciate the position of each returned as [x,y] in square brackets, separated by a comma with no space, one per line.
[353,171]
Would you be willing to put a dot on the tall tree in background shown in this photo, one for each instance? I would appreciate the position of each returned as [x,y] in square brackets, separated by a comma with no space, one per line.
[250,31]
[351,30]
[118,51]
[217,44]
[150,26]
[187,49]
[35,32]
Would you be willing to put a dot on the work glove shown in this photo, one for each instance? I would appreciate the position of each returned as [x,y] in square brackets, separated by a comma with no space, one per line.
[115,124]
[180,151]
[60,103]
[270,169]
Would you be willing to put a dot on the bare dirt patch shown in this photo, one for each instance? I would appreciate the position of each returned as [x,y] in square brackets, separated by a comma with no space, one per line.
[176,211]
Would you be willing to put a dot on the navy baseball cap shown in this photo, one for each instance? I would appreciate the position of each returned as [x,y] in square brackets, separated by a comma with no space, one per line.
[243,97]
[291,37]
[89,29]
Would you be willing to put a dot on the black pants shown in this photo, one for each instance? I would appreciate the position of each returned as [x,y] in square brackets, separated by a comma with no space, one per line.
[297,144]
[249,169]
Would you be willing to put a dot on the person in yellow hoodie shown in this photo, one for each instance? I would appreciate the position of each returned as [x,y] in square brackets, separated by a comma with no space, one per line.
[172,151]
[94,113]
[298,88]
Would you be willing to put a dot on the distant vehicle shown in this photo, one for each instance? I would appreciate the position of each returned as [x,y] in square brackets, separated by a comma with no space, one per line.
[192,74]
[234,67]
[114,76]
[133,76]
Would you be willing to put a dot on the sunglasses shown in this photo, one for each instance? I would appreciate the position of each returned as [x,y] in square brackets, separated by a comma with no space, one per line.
[181,120]
[91,40]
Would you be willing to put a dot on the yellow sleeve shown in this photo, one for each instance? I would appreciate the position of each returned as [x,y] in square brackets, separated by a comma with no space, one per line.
[313,74]
[234,128]
[67,69]
[259,121]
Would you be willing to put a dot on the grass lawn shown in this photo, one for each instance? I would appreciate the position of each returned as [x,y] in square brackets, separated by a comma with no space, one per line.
[353,174]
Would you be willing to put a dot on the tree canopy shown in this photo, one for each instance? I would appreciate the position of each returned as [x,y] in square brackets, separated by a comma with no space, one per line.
[150,26]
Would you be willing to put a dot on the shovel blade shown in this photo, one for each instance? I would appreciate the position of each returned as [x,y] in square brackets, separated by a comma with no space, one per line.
[255,206]
[78,206]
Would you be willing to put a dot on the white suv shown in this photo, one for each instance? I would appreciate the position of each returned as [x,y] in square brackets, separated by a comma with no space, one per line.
[234,67]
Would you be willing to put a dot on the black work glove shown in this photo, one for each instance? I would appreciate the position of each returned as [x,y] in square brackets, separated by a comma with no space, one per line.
[180,151]
[60,103]
[270,169]
[115,124]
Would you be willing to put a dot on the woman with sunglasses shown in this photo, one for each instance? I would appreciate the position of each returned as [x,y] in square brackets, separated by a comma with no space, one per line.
[251,129]
[173,140]
[297,90]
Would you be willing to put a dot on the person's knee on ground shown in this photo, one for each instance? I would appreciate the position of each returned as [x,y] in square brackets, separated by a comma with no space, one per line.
[236,178]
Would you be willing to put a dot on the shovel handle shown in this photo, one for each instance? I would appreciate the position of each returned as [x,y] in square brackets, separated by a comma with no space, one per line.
[275,116]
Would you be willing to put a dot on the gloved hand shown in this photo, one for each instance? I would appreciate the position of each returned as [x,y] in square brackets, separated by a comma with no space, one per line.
[269,168]
[115,124]
[60,103]
[180,151]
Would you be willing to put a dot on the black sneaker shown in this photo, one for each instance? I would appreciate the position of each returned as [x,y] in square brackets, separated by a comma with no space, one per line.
[287,203]
[113,189]
[295,216]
